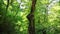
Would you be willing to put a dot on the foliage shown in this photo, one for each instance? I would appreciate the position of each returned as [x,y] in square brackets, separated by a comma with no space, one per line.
[13,19]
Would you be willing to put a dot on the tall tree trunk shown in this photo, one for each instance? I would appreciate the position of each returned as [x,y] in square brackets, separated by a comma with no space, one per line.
[31,27]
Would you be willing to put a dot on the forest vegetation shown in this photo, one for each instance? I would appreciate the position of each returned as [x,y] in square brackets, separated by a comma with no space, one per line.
[29,16]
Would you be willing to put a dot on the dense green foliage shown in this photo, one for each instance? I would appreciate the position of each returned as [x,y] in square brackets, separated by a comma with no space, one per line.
[13,19]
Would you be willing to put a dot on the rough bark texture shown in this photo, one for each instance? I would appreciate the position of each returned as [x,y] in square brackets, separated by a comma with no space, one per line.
[31,27]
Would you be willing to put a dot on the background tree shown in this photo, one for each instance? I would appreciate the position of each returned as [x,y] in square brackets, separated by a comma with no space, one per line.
[31,27]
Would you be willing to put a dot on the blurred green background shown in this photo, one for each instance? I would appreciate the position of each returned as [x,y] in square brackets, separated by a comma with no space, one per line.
[13,17]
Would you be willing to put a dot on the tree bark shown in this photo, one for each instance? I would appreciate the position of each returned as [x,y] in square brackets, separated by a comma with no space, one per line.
[31,27]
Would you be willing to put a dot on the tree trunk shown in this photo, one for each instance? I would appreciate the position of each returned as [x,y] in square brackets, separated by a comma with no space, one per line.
[31,27]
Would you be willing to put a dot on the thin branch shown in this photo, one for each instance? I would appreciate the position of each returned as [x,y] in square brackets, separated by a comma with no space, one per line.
[7,5]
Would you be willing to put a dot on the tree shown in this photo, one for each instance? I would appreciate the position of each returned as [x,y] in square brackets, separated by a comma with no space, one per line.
[31,27]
